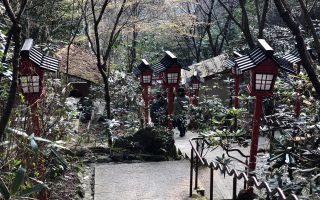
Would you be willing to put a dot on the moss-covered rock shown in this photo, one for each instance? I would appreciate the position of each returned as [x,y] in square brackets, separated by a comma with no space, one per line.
[155,141]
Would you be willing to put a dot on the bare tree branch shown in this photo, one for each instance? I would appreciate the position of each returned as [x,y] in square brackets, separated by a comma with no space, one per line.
[230,14]
[301,46]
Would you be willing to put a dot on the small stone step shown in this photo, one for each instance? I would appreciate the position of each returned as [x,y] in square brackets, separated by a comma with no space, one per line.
[201,191]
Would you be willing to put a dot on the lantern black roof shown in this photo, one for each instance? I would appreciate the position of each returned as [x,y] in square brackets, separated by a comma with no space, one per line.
[259,54]
[140,68]
[290,59]
[45,62]
[168,60]
[230,63]
[293,57]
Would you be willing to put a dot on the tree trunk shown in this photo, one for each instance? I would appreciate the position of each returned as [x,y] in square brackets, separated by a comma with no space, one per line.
[311,27]
[245,25]
[263,18]
[133,50]
[16,29]
[225,32]
[301,46]
[256,4]
[212,46]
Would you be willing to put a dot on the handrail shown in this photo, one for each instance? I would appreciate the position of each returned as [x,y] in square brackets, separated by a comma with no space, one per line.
[225,149]
[232,172]
[197,153]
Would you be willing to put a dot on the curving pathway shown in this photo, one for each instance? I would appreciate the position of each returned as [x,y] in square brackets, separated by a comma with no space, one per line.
[159,180]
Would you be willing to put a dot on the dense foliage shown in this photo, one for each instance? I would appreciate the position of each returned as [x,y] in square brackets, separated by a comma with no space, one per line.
[122,32]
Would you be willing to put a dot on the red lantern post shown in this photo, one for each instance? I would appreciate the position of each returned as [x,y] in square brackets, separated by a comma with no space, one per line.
[146,76]
[236,75]
[171,81]
[297,108]
[293,59]
[31,74]
[262,82]
[194,83]
[171,67]
[145,73]
[263,72]
[31,82]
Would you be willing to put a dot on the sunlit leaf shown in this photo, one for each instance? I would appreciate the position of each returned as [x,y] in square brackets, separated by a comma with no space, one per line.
[57,145]
[60,158]
[4,190]
[18,180]
[18,132]
[34,145]
[42,139]
[17,162]
[32,190]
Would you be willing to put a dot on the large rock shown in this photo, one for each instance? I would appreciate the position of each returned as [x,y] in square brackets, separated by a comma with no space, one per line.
[150,140]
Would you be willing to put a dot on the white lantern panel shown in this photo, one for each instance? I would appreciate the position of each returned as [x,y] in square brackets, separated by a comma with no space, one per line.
[172,77]
[263,81]
[259,76]
[146,78]
[195,86]
[25,89]
[24,80]
[35,79]
[258,86]
[30,84]
[269,77]
[267,87]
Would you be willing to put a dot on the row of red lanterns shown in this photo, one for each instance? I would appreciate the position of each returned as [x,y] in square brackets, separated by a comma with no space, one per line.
[168,72]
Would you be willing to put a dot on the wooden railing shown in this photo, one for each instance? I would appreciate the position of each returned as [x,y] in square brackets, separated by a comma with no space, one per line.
[197,159]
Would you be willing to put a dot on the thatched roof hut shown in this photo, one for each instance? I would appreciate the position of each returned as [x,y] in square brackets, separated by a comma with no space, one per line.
[82,64]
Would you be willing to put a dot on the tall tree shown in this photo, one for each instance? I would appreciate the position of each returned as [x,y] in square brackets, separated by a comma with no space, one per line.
[132,49]
[223,25]
[15,18]
[47,20]
[74,30]
[310,26]
[200,27]
[285,13]
[194,29]
[244,24]
[261,16]
[108,19]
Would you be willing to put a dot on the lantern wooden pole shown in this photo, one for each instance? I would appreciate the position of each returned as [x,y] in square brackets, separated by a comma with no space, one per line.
[236,91]
[170,105]
[297,108]
[194,100]
[255,134]
[146,104]
[33,102]
[35,119]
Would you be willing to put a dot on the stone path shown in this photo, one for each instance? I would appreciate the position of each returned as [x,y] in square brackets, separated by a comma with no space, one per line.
[162,180]
[142,181]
